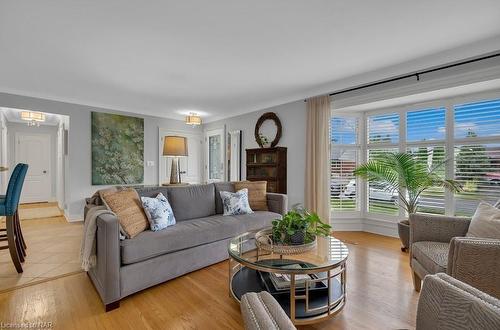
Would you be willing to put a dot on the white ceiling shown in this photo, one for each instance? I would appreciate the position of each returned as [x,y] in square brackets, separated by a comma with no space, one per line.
[224,57]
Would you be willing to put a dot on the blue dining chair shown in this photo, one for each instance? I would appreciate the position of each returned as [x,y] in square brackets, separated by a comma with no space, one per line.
[9,208]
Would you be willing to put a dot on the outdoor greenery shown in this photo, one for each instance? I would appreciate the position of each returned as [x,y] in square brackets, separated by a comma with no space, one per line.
[472,160]
[298,221]
[405,174]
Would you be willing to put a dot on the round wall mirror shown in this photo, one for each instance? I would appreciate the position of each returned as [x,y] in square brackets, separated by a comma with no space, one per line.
[268,123]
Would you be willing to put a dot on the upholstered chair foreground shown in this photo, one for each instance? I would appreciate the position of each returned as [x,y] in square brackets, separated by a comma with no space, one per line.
[261,311]
[438,245]
[447,303]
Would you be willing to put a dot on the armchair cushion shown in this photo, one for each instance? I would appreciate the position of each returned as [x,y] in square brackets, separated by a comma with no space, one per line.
[485,223]
[433,256]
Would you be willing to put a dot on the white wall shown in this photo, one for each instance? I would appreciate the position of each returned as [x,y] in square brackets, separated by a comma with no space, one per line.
[3,152]
[14,128]
[293,119]
[78,186]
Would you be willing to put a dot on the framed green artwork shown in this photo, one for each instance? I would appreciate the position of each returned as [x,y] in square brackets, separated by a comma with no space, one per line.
[117,149]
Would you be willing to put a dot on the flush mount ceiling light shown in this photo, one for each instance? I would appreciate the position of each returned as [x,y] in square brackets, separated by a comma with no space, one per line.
[193,119]
[33,118]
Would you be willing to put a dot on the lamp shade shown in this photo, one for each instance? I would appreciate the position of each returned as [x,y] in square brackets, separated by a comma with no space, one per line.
[175,146]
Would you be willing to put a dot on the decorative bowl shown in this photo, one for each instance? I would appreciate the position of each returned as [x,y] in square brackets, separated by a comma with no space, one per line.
[264,241]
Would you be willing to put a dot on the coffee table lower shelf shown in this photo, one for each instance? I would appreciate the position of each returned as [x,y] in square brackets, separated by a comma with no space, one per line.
[249,280]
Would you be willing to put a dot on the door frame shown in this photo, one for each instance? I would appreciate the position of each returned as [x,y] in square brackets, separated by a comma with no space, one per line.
[4,146]
[16,157]
[161,134]
[206,133]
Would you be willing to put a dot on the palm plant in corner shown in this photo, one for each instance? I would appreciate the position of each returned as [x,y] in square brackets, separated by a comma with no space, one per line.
[410,178]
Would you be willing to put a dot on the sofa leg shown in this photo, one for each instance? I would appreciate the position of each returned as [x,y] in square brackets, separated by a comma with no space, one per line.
[417,282]
[113,305]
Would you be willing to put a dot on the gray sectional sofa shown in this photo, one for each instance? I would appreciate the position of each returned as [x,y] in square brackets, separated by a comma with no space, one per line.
[198,239]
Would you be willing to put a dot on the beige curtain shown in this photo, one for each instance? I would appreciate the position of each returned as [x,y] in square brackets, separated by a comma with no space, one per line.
[317,185]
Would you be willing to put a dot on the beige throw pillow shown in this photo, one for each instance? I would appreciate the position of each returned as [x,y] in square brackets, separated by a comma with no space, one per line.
[257,191]
[485,223]
[127,206]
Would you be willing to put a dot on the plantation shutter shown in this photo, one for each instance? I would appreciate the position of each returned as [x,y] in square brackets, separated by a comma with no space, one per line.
[477,154]
[380,200]
[344,159]
[424,126]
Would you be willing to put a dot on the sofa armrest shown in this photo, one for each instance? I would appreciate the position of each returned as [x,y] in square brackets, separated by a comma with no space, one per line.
[436,228]
[448,303]
[476,261]
[106,273]
[277,203]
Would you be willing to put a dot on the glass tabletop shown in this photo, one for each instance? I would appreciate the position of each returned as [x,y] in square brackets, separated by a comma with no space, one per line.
[328,253]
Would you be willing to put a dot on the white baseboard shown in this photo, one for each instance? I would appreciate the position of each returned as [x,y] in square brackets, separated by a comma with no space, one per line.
[73,217]
[380,227]
[347,225]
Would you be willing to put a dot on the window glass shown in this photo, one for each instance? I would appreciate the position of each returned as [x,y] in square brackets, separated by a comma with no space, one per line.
[426,125]
[479,119]
[383,128]
[477,168]
[344,130]
[380,200]
[432,200]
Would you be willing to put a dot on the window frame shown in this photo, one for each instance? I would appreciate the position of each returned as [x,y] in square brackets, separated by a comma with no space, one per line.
[449,143]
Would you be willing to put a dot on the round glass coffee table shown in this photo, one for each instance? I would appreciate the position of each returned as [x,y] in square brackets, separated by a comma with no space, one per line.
[309,286]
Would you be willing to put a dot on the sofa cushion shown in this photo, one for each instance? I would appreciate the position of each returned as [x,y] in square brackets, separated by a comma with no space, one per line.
[236,203]
[192,202]
[256,220]
[152,192]
[221,186]
[183,235]
[158,211]
[256,193]
[433,256]
[485,222]
[127,206]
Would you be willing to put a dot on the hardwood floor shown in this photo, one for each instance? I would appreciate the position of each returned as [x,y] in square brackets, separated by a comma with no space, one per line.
[53,247]
[380,295]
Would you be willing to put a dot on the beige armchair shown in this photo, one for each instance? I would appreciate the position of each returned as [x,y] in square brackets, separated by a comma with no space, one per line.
[438,245]
[446,303]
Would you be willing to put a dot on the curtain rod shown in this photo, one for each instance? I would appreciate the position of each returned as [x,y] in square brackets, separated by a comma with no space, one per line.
[416,74]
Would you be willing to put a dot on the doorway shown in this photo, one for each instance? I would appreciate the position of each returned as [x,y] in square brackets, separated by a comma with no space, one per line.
[39,140]
[34,149]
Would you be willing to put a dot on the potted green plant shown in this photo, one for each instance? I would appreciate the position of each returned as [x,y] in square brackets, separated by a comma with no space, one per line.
[405,174]
[298,226]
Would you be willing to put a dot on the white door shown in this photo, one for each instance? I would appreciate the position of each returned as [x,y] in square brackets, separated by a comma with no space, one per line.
[215,150]
[34,150]
[190,166]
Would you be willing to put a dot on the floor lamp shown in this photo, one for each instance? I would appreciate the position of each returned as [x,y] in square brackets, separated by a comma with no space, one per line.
[175,146]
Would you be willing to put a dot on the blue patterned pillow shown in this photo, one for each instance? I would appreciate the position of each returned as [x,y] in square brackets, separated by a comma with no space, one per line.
[235,203]
[158,211]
